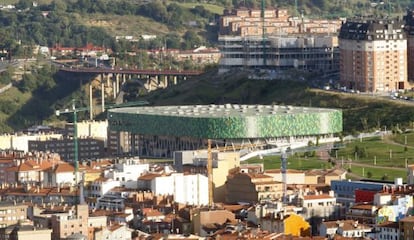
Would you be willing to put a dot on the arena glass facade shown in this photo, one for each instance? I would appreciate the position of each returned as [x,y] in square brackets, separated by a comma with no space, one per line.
[164,129]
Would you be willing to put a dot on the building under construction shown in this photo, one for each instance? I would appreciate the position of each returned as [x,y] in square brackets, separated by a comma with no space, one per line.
[307,52]
[271,39]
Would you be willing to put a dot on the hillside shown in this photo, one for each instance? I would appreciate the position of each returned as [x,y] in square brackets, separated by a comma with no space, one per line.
[360,112]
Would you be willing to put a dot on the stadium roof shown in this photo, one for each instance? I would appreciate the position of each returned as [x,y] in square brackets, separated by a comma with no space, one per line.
[219,111]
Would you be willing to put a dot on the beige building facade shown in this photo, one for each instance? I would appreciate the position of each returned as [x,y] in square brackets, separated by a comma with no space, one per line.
[72,222]
[11,214]
[252,188]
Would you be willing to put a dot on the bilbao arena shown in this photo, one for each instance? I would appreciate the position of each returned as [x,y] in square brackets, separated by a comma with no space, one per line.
[159,130]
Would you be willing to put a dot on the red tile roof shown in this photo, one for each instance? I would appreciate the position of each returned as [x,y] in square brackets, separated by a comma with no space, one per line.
[314,197]
[64,167]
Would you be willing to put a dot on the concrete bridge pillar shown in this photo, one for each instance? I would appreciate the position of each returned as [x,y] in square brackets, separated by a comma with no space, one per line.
[165,81]
[108,80]
[114,90]
[90,102]
[103,96]
[175,80]
[117,84]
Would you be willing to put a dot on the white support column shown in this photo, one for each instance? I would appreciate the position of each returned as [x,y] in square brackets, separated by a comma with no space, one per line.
[114,89]
[117,84]
[103,96]
[90,102]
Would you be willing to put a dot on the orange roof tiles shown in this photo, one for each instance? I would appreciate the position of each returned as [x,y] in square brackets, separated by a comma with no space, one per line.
[388,224]
[314,197]
[64,167]
[149,176]
[149,212]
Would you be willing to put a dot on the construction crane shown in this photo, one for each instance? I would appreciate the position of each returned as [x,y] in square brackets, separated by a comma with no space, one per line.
[75,112]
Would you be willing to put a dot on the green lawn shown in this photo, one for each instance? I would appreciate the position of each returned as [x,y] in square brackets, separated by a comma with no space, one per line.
[378,173]
[299,163]
[406,138]
[377,151]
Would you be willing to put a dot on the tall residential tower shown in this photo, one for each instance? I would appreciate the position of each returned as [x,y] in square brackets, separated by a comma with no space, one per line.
[373,55]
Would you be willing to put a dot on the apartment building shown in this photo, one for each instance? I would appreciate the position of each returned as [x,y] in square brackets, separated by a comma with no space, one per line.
[92,129]
[409,27]
[72,221]
[88,148]
[12,213]
[252,188]
[127,171]
[189,189]
[249,22]
[373,55]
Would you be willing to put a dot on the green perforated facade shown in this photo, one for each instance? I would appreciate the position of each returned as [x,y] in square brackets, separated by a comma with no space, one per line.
[226,121]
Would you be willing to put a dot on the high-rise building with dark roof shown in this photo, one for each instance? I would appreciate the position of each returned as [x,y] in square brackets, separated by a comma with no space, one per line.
[409,26]
[373,55]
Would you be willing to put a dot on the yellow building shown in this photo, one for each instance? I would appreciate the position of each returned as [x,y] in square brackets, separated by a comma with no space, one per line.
[296,225]
[291,224]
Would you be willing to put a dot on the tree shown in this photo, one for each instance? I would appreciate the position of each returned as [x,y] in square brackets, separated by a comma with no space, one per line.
[173,41]
[23,4]
[28,83]
[191,40]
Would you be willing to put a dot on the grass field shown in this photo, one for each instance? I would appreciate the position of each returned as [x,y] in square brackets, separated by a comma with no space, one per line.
[377,151]
[299,163]
[378,173]
[380,159]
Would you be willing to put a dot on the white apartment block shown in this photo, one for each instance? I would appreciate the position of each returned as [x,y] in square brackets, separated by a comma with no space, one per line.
[188,189]
[323,206]
[127,171]
[101,186]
